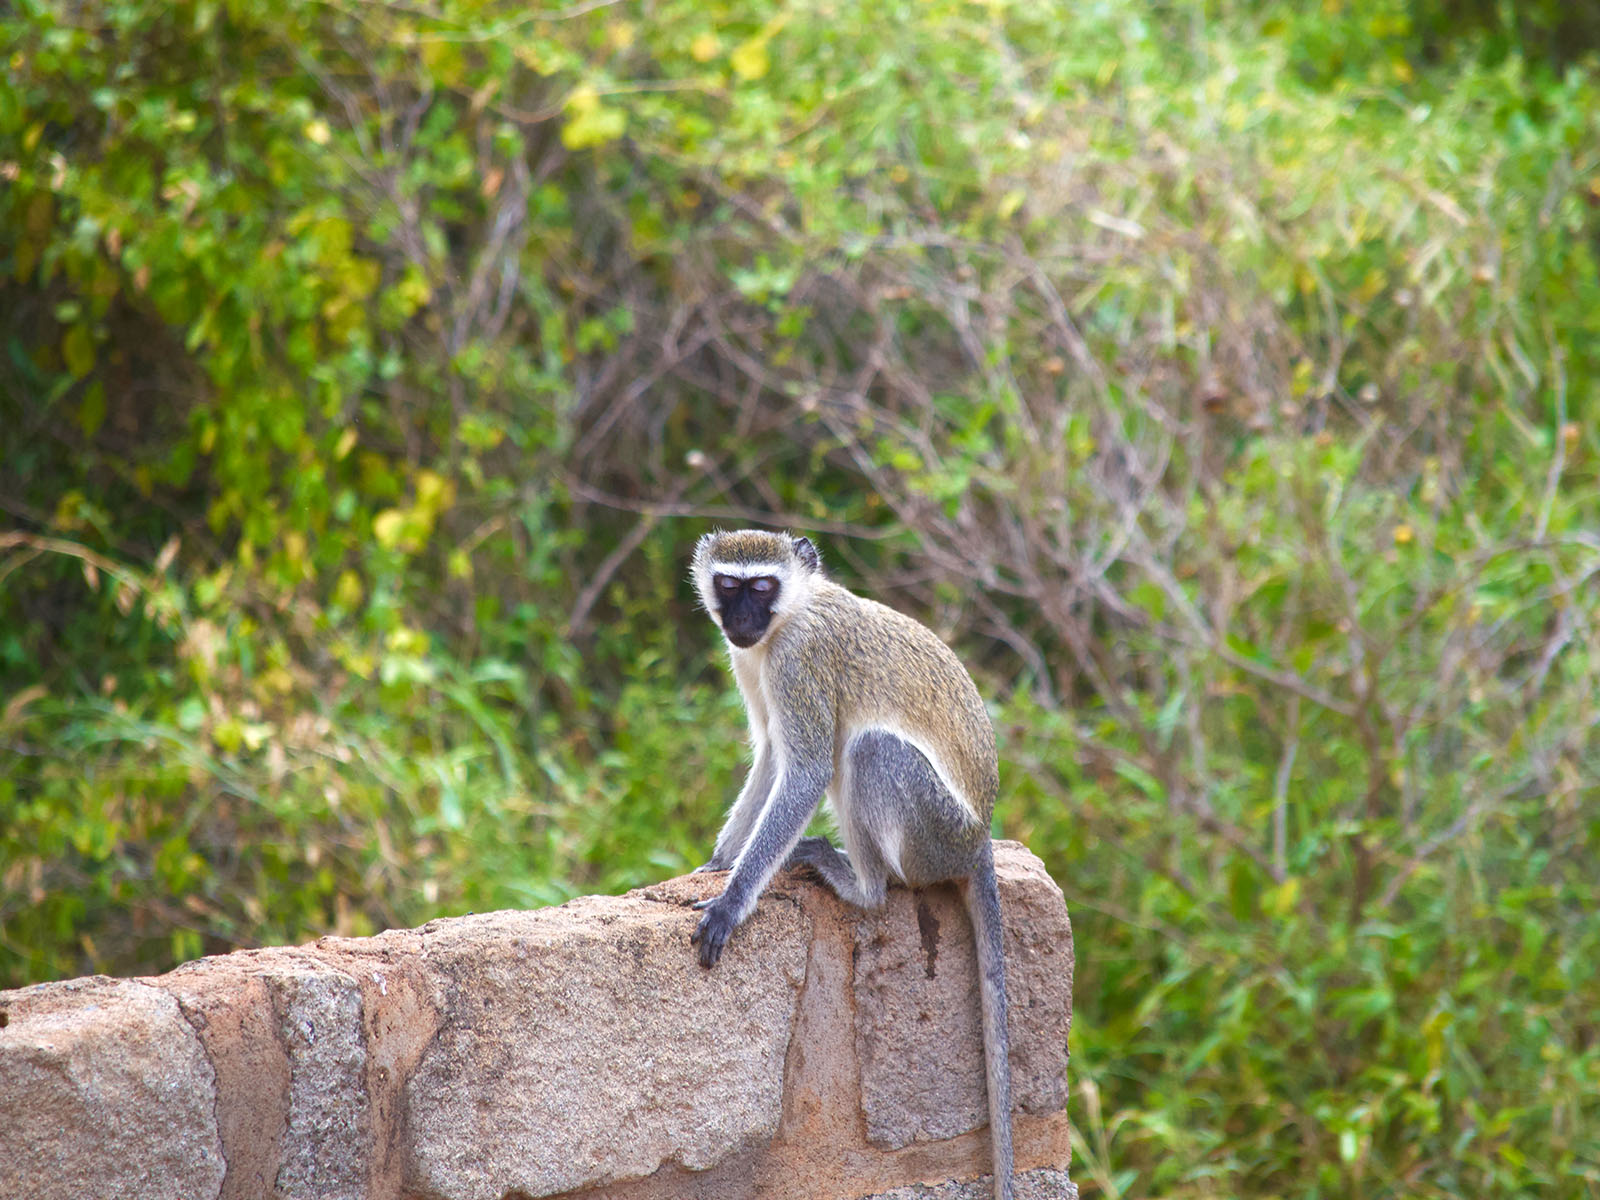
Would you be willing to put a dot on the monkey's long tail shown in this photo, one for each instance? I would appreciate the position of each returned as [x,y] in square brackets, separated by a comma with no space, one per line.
[982,895]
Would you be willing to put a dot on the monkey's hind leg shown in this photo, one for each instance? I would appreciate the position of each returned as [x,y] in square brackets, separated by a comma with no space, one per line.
[897,819]
[863,889]
[900,808]
[859,874]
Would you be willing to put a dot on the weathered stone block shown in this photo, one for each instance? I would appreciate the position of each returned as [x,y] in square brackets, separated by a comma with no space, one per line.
[287,1032]
[919,1034]
[586,1044]
[1043,1184]
[104,1091]
[326,1149]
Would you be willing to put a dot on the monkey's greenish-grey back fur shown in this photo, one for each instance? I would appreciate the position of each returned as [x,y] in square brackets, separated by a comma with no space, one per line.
[891,672]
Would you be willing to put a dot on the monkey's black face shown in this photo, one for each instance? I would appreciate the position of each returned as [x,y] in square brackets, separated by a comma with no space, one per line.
[745,607]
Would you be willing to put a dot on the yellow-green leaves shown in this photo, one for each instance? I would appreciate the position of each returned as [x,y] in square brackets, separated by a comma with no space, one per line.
[348,592]
[407,529]
[389,527]
[704,47]
[589,121]
[750,60]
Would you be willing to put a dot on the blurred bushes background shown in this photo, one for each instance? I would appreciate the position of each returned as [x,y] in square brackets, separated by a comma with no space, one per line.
[1219,376]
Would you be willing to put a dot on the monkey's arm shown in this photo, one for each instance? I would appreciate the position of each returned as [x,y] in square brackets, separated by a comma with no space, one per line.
[804,767]
[745,812]
[798,793]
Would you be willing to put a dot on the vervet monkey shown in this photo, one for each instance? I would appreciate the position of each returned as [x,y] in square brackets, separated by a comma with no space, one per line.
[852,700]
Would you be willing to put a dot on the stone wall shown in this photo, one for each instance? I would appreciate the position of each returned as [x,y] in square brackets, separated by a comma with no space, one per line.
[579,1051]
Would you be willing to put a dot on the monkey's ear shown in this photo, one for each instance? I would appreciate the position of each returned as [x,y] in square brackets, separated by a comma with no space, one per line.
[806,552]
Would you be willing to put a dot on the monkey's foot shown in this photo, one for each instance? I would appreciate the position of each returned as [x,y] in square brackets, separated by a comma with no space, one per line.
[833,866]
[811,852]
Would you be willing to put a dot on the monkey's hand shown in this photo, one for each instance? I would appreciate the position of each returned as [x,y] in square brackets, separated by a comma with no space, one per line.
[712,932]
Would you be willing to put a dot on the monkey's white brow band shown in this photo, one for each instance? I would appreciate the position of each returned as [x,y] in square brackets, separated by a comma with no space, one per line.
[746,570]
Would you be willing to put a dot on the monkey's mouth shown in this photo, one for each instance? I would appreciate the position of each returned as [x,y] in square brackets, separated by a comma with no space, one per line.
[746,629]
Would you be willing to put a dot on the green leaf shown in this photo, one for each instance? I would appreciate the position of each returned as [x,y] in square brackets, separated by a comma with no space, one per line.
[92,409]
[77,350]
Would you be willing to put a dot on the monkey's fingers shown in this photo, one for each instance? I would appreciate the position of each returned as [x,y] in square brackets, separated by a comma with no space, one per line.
[711,935]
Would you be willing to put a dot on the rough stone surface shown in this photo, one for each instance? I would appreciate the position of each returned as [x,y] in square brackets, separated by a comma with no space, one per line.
[104,1091]
[586,1044]
[919,1033]
[398,1024]
[1044,1184]
[231,1011]
[327,1140]
[286,1031]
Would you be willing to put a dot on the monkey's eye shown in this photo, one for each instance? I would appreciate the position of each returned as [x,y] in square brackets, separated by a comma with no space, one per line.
[728,583]
[764,585]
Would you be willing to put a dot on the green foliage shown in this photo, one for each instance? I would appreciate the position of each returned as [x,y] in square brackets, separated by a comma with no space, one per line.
[1221,376]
